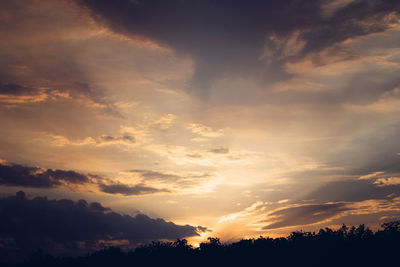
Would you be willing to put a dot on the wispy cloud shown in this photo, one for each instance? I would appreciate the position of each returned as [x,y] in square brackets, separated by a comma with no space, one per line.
[204,131]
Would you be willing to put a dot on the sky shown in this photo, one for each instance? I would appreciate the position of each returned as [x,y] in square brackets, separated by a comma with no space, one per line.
[152,119]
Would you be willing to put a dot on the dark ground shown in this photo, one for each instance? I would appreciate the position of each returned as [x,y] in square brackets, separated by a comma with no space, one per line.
[355,246]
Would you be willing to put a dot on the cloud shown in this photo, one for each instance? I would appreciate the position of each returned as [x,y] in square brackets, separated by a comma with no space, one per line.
[102,140]
[305,214]
[65,227]
[34,74]
[202,229]
[15,89]
[371,175]
[219,150]
[330,7]
[19,175]
[127,190]
[387,102]
[204,130]
[35,177]
[176,181]
[229,37]
[12,94]
[333,213]
[353,190]
[149,174]
[387,181]
[373,150]
[182,155]
[165,122]
[251,211]
[109,138]
[139,132]
[351,201]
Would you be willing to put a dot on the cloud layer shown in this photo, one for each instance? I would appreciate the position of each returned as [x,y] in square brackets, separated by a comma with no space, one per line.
[244,36]
[35,177]
[65,227]
[18,175]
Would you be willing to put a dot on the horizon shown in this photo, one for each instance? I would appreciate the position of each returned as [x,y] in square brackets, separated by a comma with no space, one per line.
[194,119]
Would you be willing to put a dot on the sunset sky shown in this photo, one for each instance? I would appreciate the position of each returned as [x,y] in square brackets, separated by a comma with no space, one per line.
[228,118]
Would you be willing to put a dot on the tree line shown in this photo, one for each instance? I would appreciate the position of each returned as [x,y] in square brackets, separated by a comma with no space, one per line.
[346,246]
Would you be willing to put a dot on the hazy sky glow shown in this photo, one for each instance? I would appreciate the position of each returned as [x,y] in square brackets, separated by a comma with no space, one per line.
[246,117]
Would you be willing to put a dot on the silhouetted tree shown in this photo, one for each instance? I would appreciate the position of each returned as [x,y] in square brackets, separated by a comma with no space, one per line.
[354,246]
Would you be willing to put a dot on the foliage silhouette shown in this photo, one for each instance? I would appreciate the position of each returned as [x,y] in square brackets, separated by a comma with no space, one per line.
[355,246]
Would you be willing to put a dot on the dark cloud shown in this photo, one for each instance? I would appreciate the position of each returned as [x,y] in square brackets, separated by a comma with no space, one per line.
[19,175]
[194,155]
[202,229]
[374,150]
[83,88]
[219,150]
[65,227]
[224,36]
[109,138]
[24,176]
[356,19]
[352,190]
[332,200]
[149,174]
[16,89]
[128,190]
[128,138]
[305,214]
